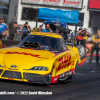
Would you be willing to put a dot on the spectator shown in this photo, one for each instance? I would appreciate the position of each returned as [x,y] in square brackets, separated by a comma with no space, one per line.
[79,37]
[13,30]
[26,30]
[95,46]
[3,29]
[82,36]
[84,32]
[19,29]
[47,29]
[40,28]
[19,32]
[85,35]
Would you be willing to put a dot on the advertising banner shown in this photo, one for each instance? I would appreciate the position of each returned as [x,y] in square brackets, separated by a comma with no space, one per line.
[94,4]
[61,3]
[63,16]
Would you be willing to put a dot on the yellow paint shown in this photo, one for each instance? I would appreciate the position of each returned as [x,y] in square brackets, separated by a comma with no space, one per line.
[26,59]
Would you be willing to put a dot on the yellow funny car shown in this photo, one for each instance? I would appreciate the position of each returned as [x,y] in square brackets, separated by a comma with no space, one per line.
[41,58]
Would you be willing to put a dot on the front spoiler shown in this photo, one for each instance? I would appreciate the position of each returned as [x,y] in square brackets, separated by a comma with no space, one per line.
[26,77]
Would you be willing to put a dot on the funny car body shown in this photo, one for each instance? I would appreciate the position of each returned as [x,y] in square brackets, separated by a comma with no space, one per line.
[41,58]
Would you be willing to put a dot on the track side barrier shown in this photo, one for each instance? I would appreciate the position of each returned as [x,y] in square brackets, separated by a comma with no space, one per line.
[8,43]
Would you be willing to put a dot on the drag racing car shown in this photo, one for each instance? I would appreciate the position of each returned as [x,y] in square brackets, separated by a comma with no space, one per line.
[41,58]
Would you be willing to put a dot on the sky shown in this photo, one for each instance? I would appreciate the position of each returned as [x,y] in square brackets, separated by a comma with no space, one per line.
[5,0]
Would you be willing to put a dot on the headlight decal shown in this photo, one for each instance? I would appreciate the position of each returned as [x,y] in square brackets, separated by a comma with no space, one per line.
[38,68]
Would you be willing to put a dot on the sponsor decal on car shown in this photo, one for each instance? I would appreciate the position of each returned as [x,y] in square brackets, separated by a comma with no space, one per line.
[55,79]
[64,62]
[82,52]
[10,78]
[13,66]
[24,53]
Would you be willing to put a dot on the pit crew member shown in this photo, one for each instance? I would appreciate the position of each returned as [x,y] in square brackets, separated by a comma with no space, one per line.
[95,46]
[83,35]
[13,30]
[3,28]
[26,30]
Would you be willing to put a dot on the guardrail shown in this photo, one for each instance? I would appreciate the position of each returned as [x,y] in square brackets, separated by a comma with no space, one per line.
[18,37]
[8,43]
[0,44]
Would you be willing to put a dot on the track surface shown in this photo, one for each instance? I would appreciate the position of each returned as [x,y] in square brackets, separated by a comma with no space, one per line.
[85,86]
